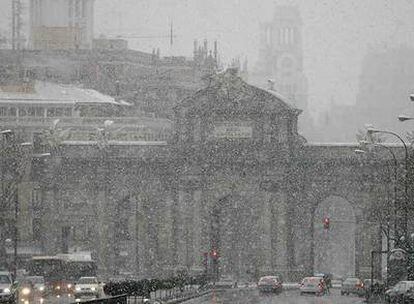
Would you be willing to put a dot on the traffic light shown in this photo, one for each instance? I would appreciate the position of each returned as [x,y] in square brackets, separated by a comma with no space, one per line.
[326,223]
[214,254]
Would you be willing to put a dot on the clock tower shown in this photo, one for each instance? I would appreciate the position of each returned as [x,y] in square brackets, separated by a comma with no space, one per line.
[280,56]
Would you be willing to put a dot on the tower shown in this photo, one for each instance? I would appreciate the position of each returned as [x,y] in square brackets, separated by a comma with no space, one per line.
[61,24]
[280,56]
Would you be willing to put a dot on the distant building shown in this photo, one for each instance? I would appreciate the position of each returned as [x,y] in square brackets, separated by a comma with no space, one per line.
[385,83]
[280,58]
[61,24]
[110,44]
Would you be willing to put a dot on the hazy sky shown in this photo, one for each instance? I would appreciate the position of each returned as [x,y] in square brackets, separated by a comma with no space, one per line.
[336,33]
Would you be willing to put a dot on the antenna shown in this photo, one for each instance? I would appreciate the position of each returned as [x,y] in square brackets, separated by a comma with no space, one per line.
[171,34]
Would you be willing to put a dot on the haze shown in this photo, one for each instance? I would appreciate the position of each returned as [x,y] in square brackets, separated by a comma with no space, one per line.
[337,33]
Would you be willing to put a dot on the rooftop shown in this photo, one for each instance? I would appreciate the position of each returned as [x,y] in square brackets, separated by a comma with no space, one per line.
[53,93]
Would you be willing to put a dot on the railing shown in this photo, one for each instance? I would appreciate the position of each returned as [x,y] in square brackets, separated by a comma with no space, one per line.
[142,121]
[167,294]
[122,299]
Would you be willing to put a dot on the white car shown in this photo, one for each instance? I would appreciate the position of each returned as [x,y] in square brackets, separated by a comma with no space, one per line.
[7,290]
[313,285]
[87,287]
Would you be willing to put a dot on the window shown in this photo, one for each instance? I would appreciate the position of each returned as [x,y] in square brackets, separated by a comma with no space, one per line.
[51,112]
[59,112]
[67,112]
[12,111]
[37,229]
[123,229]
[22,112]
[39,112]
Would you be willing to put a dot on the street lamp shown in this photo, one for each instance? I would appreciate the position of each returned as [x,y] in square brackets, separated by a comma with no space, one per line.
[360,151]
[20,170]
[371,131]
[403,117]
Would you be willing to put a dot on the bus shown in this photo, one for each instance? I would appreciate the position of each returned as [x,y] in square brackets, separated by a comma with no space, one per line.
[61,271]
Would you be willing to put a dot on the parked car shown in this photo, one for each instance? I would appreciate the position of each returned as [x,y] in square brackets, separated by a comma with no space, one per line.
[87,287]
[270,284]
[353,286]
[396,294]
[315,285]
[8,291]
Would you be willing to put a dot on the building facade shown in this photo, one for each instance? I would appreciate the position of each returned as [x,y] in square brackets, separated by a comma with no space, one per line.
[234,177]
[61,24]
[281,56]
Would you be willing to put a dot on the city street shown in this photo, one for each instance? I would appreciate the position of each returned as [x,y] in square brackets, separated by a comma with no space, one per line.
[249,296]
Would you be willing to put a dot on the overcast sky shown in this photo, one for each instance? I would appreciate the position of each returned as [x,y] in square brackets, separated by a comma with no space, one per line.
[337,33]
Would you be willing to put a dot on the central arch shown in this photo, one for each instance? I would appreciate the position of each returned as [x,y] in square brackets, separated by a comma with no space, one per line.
[232,234]
[335,247]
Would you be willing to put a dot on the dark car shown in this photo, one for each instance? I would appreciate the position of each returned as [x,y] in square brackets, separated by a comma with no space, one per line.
[396,294]
[270,284]
[378,286]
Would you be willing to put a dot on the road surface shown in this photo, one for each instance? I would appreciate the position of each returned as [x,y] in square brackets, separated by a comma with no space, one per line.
[252,296]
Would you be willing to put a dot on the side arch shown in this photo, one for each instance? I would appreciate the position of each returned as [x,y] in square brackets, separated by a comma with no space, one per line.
[334,248]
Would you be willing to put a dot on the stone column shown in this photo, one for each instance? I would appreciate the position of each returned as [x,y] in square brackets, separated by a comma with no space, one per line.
[280,232]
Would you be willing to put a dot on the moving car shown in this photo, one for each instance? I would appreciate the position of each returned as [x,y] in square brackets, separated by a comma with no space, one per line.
[314,285]
[397,293]
[38,283]
[353,286]
[25,292]
[8,292]
[270,284]
[87,287]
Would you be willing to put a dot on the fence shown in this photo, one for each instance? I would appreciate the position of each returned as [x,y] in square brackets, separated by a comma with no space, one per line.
[167,295]
[122,299]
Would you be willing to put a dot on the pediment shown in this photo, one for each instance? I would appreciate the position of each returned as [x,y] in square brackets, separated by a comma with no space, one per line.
[227,92]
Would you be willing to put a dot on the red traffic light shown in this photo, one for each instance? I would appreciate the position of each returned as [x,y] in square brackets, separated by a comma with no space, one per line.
[326,223]
[214,254]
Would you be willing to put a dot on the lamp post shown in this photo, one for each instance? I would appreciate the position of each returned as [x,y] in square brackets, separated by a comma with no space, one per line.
[395,178]
[395,167]
[22,163]
[371,131]
[102,142]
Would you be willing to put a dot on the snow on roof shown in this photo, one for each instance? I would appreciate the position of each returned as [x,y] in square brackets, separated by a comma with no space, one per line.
[331,144]
[354,144]
[53,93]
[115,143]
